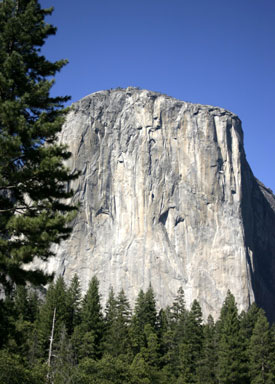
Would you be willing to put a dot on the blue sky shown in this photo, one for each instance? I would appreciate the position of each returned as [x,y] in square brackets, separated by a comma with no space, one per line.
[215,52]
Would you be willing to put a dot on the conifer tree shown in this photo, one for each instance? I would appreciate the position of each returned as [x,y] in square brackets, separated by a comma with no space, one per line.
[272,351]
[73,303]
[162,329]
[137,324]
[92,317]
[110,334]
[63,367]
[176,316]
[150,311]
[55,301]
[151,351]
[22,318]
[230,368]
[33,179]
[87,337]
[116,335]
[207,363]
[190,347]
[144,313]
[110,309]
[21,301]
[248,320]
[178,310]
[123,322]
[260,352]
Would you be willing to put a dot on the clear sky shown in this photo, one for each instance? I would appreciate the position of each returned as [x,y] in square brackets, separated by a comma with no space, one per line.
[216,52]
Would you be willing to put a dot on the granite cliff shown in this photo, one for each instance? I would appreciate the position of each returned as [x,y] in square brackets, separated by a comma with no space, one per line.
[168,198]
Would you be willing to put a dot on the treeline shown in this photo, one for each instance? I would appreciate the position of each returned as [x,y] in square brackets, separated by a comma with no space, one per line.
[91,345]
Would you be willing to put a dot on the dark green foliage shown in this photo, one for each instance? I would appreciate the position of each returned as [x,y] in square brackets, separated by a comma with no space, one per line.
[14,371]
[55,300]
[248,320]
[260,359]
[207,362]
[137,324]
[33,178]
[178,311]
[73,303]
[117,320]
[230,351]
[149,310]
[108,370]
[63,367]
[144,313]
[150,352]
[91,315]
[123,323]
[272,351]
[247,323]
[173,347]
[88,335]
[190,345]
[173,336]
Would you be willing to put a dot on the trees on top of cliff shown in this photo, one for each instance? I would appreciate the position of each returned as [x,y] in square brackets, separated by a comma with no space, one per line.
[33,179]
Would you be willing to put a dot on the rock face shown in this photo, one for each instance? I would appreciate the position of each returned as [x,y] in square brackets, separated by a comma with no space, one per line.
[167,198]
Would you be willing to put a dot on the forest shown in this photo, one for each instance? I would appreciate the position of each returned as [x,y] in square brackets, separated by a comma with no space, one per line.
[62,337]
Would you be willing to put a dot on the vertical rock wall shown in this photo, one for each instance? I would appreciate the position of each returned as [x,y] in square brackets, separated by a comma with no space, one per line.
[167,198]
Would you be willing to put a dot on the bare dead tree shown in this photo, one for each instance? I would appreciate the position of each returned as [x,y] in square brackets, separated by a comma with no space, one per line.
[51,346]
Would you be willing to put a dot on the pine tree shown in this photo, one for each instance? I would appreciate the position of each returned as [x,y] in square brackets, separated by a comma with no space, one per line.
[248,320]
[55,301]
[92,317]
[73,303]
[87,337]
[123,323]
[178,310]
[150,311]
[144,313]
[13,371]
[272,351]
[21,301]
[110,309]
[207,363]
[176,316]
[190,346]
[162,330]
[33,178]
[63,367]
[260,352]
[137,324]
[110,333]
[22,316]
[117,320]
[230,368]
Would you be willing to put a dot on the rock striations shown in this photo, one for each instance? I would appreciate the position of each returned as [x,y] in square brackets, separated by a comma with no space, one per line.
[167,198]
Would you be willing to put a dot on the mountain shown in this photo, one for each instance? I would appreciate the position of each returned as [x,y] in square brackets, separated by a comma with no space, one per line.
[168,198]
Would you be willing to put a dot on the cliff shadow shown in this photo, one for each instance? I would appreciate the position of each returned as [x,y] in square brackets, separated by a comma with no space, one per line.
[258,212]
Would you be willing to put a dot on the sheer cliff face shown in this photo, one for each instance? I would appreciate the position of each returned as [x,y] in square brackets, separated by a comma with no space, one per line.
[167,198]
